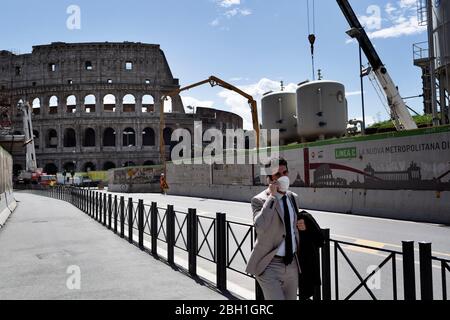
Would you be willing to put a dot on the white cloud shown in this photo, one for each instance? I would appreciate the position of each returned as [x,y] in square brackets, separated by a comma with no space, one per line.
[229,3]
[229,9]
[246,12]
[193,102]
[231,13]
[402,27]
[215,22]
[236,11]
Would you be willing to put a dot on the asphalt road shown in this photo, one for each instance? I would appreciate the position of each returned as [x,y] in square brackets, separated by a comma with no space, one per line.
[374,232]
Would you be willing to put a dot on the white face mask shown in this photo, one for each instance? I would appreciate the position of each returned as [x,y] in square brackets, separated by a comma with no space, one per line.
[284,184]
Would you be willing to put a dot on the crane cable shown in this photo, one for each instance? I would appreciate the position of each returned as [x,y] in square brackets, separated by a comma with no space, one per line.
[311,35]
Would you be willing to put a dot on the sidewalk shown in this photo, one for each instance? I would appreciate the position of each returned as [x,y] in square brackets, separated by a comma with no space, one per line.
[44,237]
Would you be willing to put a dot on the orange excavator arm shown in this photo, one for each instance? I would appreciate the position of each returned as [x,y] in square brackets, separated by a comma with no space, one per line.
[213,81]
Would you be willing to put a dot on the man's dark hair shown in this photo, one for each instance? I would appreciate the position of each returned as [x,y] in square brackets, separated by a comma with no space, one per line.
[280,160]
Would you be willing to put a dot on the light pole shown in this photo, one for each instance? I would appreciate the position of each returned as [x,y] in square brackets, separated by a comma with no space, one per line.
[355,33]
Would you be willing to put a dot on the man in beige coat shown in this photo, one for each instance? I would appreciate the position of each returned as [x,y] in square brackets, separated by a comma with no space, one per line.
[274,259]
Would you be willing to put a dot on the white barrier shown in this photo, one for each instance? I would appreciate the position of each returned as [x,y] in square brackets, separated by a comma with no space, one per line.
[7,201]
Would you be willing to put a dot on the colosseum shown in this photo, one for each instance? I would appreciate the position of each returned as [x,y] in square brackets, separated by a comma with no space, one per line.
[96,106]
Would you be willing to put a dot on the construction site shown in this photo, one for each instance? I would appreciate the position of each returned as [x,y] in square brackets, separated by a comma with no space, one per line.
[81,108]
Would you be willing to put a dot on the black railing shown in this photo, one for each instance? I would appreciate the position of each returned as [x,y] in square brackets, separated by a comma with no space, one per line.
[228,244]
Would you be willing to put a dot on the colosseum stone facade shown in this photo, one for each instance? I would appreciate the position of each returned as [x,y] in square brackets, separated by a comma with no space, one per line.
[96,105]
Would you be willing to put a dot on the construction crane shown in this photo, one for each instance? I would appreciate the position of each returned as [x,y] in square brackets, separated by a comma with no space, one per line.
[399,111]
[213,81]
[31,165]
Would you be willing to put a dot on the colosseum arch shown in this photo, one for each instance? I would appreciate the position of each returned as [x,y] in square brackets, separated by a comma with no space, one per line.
[148,103]
[108,165]
[70,138]
[109,137]
[109,103]
[89,138]
[129,103]
[168,105]
[51,168]
[89,103]
[71,104]
[51,139]
[17,168]
[89,166]
[167,134]
[149,163]
[53,105]
[36,138]
[36,106]
[129,164]
[129,137]
[69,166]
[148,137]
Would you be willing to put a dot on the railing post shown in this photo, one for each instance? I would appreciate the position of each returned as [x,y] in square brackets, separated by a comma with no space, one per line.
[109,211]
[141,223]
[221,251]
[426,271]
[170,233]
[85,201]
[91,204]
[192,240]
[122,217]
[96,205]
[115,213]
[326,266]
[130,220]
[409,276]
[101,208]
[154,228]
[105,209]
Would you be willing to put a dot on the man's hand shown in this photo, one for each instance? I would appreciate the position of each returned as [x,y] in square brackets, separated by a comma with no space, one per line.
[273,188]
[301,225]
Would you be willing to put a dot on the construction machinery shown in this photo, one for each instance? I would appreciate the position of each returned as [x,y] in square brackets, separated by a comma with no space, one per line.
[399,111]
[31,171]
[213,81]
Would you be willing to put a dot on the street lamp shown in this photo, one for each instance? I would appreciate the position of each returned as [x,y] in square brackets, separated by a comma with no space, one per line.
[355,33]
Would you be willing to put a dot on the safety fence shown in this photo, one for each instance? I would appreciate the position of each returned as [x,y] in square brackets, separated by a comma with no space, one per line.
[228,244]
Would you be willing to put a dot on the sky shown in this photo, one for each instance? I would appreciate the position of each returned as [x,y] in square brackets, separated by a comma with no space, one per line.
[253,44]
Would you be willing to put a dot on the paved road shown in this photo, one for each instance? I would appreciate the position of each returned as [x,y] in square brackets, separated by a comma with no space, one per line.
[374,232]
[378,232]
[44,237]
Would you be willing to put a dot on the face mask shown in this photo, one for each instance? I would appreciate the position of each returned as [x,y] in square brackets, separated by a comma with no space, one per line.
[283,184]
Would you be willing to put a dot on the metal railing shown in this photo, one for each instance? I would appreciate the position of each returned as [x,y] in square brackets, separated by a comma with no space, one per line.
[225,243]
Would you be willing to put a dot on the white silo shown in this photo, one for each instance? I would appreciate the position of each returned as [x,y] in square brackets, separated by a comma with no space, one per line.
[321,110]
[441,37]
[279,111]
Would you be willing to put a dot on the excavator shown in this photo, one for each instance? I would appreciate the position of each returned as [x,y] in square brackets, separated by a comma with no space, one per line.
[213,81]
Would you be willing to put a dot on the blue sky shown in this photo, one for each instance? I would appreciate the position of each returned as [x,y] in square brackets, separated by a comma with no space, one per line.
[251,43]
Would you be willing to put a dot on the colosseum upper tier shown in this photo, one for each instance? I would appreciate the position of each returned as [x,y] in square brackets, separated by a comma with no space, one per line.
[96,106]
